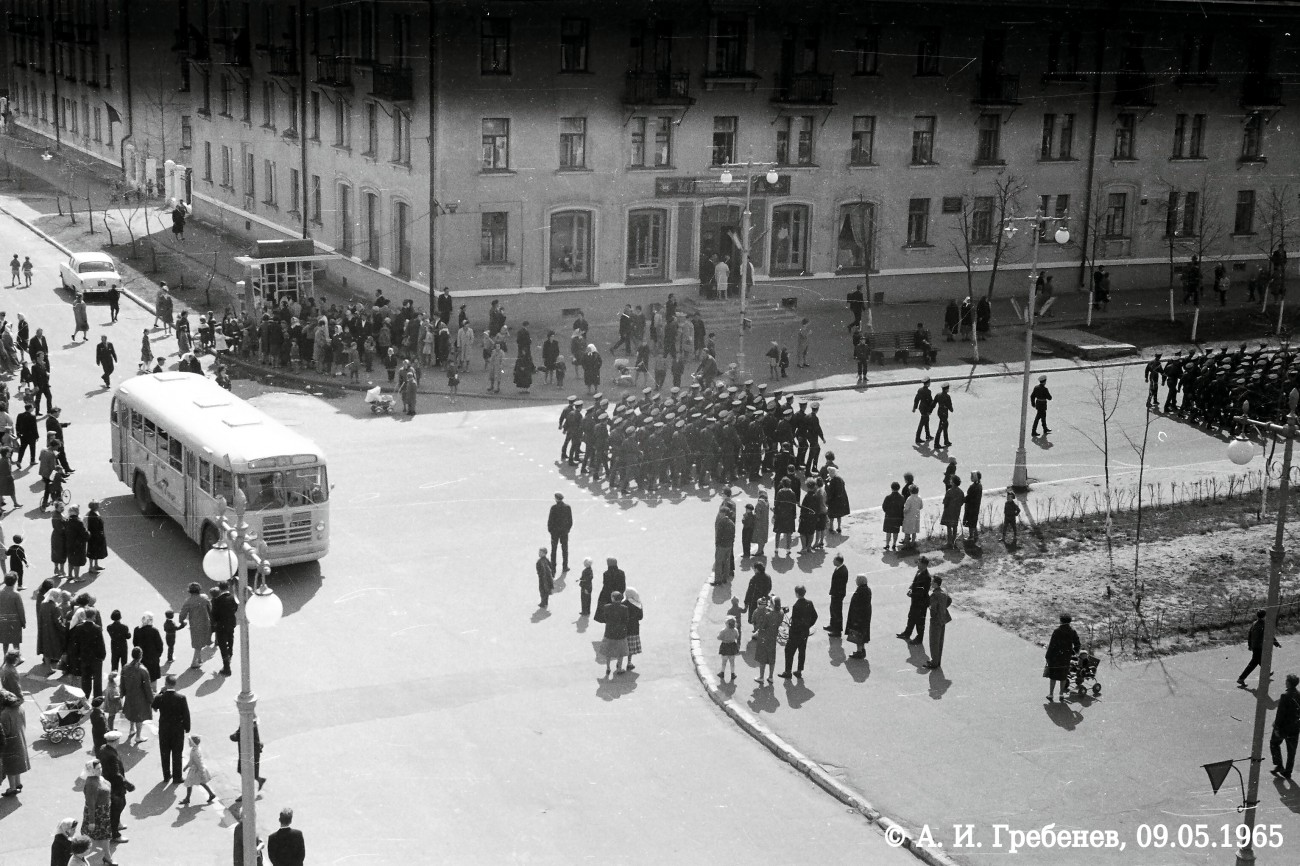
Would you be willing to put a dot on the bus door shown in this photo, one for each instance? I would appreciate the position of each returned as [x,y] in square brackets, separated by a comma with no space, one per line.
[191,522]
[119,419]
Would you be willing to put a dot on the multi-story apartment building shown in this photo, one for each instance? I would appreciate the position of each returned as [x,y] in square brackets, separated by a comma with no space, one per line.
[492,145]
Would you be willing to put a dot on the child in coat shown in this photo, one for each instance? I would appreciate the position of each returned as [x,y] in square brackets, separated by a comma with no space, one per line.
[785,362]
[729,648]
[112,698]
[170,628]
[1010,518]
[196,771]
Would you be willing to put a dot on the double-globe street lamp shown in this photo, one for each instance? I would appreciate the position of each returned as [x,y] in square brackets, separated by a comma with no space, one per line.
[729,171]
[1240,451]
[259,606]
[1020,476]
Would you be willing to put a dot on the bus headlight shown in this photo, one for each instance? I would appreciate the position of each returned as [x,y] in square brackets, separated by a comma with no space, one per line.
[320,529]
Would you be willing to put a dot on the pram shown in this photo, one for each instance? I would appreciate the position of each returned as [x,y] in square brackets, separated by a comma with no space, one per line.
[1083,670]
[622,372]
[379,402]
[63,719]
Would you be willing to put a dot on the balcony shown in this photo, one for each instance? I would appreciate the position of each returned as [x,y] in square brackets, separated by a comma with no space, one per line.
[283,62]
[805,88]
[392,83]
[334,72]
[1000,89]
[657,88]
[234,49]
[1259,92]
[1134,90]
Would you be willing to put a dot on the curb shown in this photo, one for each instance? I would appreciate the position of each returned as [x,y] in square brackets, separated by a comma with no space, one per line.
[890,828]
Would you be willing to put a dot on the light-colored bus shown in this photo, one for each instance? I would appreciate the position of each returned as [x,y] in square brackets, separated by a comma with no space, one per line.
[181,440]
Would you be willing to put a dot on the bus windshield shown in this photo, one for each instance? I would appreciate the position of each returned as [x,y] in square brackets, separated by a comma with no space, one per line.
[292,488]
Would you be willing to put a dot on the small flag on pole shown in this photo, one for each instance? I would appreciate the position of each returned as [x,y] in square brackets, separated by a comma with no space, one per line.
[1218,771]
[113,116]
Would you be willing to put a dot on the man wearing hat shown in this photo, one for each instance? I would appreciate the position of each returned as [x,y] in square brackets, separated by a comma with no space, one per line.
[812,428]
[571,424]
[923,402]
[1173,372]
[1152,376]
[943,404]
[800,435]
[1038,398]
[558,524]
[114,772]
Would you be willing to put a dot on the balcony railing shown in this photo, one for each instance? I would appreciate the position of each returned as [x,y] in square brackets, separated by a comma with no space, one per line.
[392,83]
[334,71]
[235,50]
[657,88]
[1000,89]
[1134,90]
[283,61]
[805,88]
[1261,91]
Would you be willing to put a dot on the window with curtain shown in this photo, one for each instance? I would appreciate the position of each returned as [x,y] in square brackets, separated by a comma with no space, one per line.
[646,244]
[854,244]
[789,238]
[570,256]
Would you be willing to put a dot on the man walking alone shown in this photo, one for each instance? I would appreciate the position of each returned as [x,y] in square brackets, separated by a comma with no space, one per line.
[558,524]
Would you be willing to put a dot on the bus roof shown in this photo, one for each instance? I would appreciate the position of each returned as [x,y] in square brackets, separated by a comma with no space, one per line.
[203,414]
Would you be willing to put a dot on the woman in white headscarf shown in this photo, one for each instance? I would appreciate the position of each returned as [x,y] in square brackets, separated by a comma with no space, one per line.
[97,820]
[632,601]
[61,847]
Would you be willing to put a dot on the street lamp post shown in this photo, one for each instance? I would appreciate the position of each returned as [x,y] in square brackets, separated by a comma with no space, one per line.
[1240,451]
[1020,475]
[746,219]
[257,605]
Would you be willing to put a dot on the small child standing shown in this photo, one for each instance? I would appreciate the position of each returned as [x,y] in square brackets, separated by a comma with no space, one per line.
[170,628]
[118,635]
[560,367]
[196,772]
[773,356]
[112,698]
[746,530]
[354,362]
[785,362]
[1010,518]
[17,558]
[584,584]
[453,379]
[729,648]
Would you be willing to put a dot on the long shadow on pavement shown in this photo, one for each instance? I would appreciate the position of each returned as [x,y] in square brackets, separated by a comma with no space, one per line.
[615,686]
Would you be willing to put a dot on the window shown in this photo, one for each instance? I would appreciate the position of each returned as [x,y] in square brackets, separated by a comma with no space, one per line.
[227,167]
[496,144]
[730,45]
[794,140]
[1063,54]
[205,107]
[1180,214]
[492,238]
[291,128]
[268,179]
[646,244]
[1194,61]
[927,51]
[315,199]
[402,239]
[988,147]
[573,44]
[250,176]
[401,137]
[573,142]
[1058,136]
[923,140]
[789,238]
[1062,208]
[657,153]
[1252,139]
[247,95]
[1116,216]
[175,452]
[855,246]
[570,247]
[1189,136]
[315,115]
[372,229]
[108,67]
[724,141]
[494,46]
[99,128]
[205,476]
[227,96]
[1244,222]
[295,190]
[981,221]
[918,222]
[1125,136]
[207,160]
[862,149]
[268,105]
[342,123]
[366,33]
[345,219]
[372,129]
[187,131]
[866,53]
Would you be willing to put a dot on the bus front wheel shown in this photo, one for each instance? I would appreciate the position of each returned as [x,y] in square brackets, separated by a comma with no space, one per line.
[142,498]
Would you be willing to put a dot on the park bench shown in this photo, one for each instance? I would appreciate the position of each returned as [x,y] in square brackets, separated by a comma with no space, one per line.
[901,345]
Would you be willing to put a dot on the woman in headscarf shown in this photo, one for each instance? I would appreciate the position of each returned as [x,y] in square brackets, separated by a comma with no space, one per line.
[632,600]
[762,522]
[837,500]
[96,818]
[13,751]
[75,538]
[893,510]
[912,516]
[81,325]
[137,696]
[857,626]
[61,847]
[58,539]
[96,540]
[785,509]
[591,363]
[953,500]
[51,627]
[150,642]
[1062,647]
[767,624]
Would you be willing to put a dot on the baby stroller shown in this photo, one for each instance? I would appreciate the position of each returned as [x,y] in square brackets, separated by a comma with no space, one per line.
[1083,669]
[379,402]
[63,719]
[623,372]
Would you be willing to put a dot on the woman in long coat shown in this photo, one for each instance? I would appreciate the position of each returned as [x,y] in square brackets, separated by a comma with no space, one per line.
[7,480]
[137,695]
[762,521]
[767,624]
[893,509]
[760,587]
[58,539]
[613,580]
[953,500]
[837,499]
[96,540]
[95,820]
[784,510]
[808,512]
[13,751]
[196,613]
[1060,649]
[857,625]
[75,538]
[51,628]
[80,324]
[635,613]
[147,637]
[912,516]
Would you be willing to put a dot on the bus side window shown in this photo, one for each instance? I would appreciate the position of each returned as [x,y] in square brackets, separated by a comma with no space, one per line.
[191,465]
[223,483]
[163,443]
[205,476]
[112,412]
[150,435]
[175,454]
[137,426]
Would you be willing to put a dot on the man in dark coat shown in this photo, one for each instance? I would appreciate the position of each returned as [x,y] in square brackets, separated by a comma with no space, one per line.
[612,581]
[857,305]
[839,588]
[923,402]
[105,358]
[38,345]
[858,624]
[173,724]
[286,846]
[257,754]
[114,772]
[1063,646]
[28,433]
[760,587]
[1286,728]
[1039,398]
[41,379]
[803,616]
[943,403]
[919,593]
[558,524]
[974,501]
[1255,643]
[86,646]
[812,430]
[224,610]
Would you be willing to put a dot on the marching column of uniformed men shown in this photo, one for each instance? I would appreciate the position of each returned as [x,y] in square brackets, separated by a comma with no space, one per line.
[1208,387]
[687,437]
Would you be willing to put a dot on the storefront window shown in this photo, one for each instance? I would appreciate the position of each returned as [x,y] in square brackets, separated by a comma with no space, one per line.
[571,247]
[790,238]
[646,244]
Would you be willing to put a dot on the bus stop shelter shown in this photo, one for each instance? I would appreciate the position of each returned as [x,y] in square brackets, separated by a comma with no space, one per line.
[278,270]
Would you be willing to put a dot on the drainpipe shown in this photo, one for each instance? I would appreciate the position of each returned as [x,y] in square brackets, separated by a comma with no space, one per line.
[1088,203]
[54,70]
[130,98]
[302,117]
[435,58]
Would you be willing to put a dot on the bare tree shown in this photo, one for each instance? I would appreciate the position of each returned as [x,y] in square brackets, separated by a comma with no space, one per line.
[1106,395]
[1277,217]
[1140,449]
[1192,221]
[1006,199]
[964,247]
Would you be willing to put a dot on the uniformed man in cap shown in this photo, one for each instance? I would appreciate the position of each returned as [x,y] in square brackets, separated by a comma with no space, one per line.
[1038,398]
[1152,376]
[571,424]
[943,405]
[1173,372]
[800,437]
[923,403]
[728,448]
[588,433]
[600,446]
[815,436]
